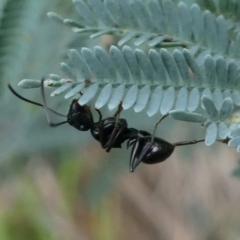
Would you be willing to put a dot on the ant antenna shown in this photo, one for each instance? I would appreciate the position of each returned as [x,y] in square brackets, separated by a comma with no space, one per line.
[155,127]
[46,108]
[30,101]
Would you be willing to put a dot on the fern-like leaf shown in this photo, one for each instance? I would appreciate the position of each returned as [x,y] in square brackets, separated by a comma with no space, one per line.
[179,73]
[159,25]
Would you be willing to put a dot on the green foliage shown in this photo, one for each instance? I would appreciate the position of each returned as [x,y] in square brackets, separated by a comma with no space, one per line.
[165,56]
[193,62]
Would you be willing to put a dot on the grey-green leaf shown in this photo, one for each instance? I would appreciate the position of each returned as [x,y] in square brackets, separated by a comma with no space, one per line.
[182,66]
[103,58]
[131,97]
[56,17]
[210,71]
[142,98]
[114,11]
[101,12]
[170,65]
[29,83]
[142,39]
[236,97]
[170,12]
[85,12]
[211,134]
[103,96]
[226,109]
[187,116]
[131,60]
[182,99]
[155,101]
[198,23]
[221,71]
[222,130]
[158,65]
[117,97]
[210,108]
[222,33]
[127,38]
[193,100]
[145,65]
[234,142]
[232,74]
[168,100]
[217,98]
[93,63]
[67,71]
[210,30]
[194,67]
[141,10]
[77,89]
[54,76]
[61,89]
[235,133]
[185,21]
[118,59]
[157,15]
[88,94]
[79,63]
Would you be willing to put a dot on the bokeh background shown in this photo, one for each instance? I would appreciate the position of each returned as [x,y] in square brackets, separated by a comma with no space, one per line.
[58,184]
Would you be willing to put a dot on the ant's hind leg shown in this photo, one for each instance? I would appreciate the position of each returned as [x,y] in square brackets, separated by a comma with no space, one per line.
[187,142]
[99,114]
[156,125]
[197,141]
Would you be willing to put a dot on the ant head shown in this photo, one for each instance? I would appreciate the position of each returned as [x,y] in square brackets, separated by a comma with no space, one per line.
[79,116]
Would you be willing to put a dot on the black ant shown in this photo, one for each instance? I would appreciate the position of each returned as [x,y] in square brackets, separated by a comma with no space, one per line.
[150,149]
[110,132]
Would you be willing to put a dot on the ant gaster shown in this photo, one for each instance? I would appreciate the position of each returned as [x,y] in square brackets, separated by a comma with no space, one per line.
[150,149]
[110,132]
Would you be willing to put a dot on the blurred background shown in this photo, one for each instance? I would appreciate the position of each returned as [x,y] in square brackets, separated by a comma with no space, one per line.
[59,184]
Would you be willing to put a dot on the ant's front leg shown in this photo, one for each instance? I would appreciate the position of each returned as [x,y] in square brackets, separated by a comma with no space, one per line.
[100,128]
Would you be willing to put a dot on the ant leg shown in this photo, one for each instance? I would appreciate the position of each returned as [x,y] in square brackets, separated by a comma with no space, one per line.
[118,110]
[134,152]
[100,127]
[114,135]
[140,156]
[146,149]
[113,139]
[144,133]
[46,108]
[187,142]
[155,127]
[196,141]
[99,114]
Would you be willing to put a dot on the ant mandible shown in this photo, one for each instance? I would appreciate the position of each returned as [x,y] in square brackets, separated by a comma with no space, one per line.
[110,132]
[150,149]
